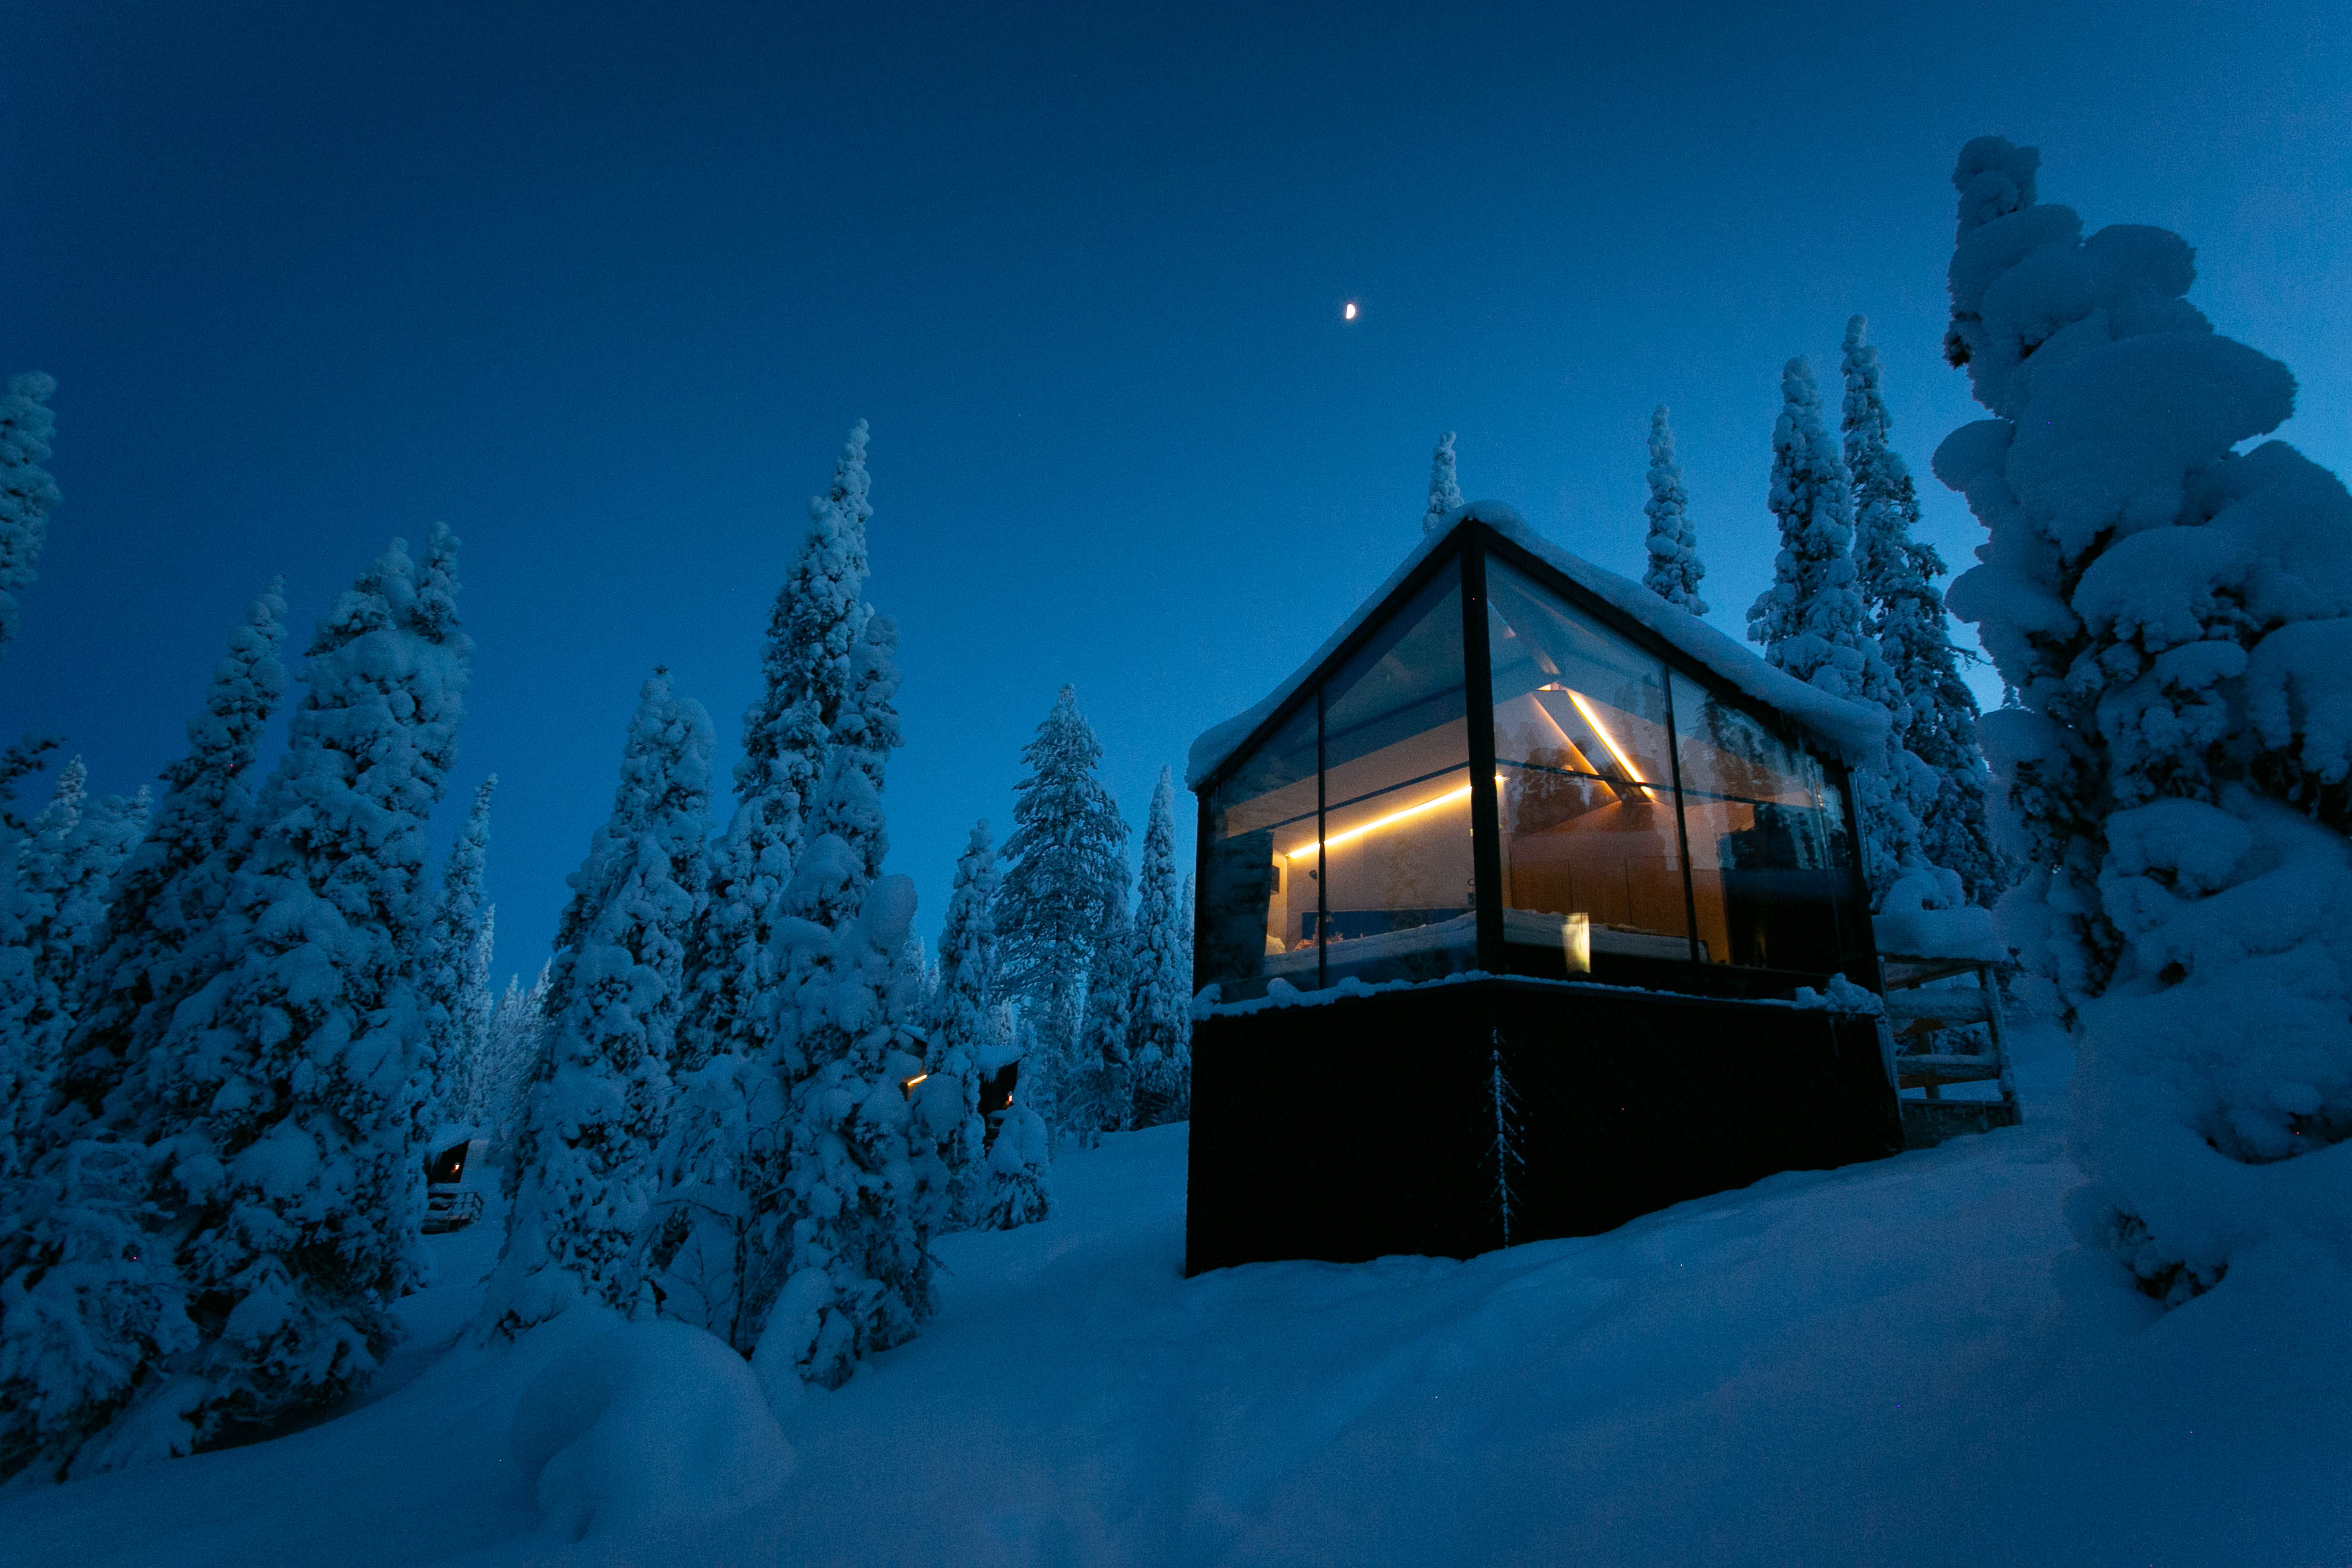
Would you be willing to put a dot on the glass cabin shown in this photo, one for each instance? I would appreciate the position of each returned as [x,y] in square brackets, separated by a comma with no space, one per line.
[1580,873]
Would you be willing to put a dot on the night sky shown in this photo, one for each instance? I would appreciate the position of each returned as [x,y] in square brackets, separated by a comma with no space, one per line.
[605,286]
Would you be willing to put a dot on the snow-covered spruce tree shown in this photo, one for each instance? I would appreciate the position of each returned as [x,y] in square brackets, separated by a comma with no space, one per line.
[92,1310]
[283,1104]
[726,1242]
[20,759]
[728,1213]
[1104,1076]
[476,1007]
[2173,615]
[1897,576]
[28,494]
[454,964]
[176,881]
[50,915]
[109,829]
[517,1040]
[1158,1017]
[36,966]
[599,1102]
[1066,863]
[962,1019]
[865,733]
[806,665]
[1675,569]
[90,1304]
[112,827]
[1444,490]
[1811,623]
[866,1187]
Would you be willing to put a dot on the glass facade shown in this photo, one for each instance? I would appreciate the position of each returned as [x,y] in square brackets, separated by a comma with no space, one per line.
[1771,866]
[1342,845]
[1399,887]
[1645,824]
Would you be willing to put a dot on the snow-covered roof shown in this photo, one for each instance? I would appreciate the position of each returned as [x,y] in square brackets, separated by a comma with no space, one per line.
[1849,731]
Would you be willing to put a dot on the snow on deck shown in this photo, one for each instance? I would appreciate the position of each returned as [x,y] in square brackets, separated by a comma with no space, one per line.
[1899,1362]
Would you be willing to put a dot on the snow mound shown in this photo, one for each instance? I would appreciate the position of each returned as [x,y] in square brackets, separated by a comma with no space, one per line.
[1924,916]
[647,1424]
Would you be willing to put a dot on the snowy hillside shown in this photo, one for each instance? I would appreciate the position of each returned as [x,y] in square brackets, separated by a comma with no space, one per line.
[1898,1362]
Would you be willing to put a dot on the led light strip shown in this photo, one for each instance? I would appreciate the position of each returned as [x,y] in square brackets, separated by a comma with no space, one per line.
[1633,775]
[1307,850]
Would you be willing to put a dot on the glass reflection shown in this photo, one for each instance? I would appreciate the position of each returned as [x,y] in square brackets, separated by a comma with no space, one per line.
[1770,863]
[1258,905]
[1591,857]
[1397,869]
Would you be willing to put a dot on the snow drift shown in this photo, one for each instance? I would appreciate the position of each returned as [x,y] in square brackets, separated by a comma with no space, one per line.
[650,1424]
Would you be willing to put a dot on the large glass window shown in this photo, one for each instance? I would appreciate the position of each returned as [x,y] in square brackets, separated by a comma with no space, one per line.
[1592,855]
[1257,904]
[1771,877]
[1397,896]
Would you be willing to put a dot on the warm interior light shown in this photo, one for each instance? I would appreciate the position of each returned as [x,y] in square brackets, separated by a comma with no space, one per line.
[1607,739]
[906,1085]
[1306,849]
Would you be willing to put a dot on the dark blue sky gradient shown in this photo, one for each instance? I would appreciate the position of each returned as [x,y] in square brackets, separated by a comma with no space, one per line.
[604,287]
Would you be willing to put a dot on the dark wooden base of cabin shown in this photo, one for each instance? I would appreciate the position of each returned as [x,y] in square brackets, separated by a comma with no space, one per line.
[1358,1128]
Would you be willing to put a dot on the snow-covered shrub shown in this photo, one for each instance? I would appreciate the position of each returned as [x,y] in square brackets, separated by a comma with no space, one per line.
[1020,1166]
[1675,568]
[2173,615]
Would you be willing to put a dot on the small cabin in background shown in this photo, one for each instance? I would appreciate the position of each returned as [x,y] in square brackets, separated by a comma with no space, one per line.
[457,1175]
[1517,910]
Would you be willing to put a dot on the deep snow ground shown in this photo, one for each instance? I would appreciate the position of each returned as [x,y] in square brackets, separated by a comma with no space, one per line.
[1903,1363]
